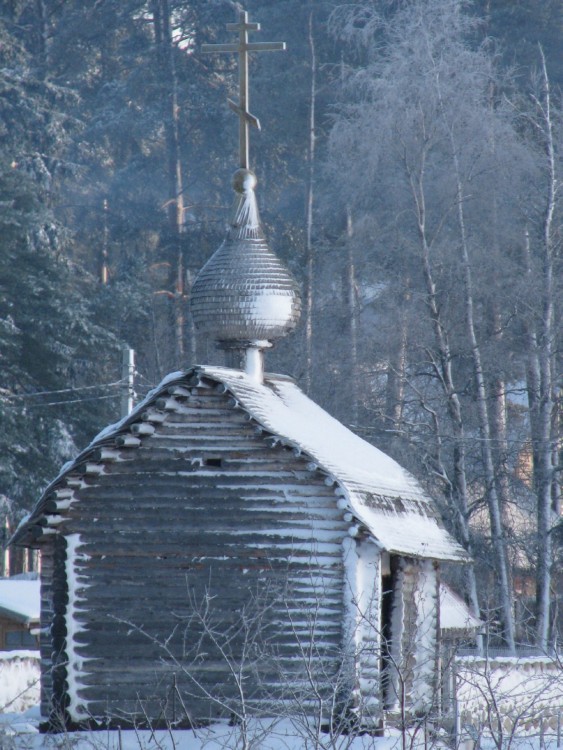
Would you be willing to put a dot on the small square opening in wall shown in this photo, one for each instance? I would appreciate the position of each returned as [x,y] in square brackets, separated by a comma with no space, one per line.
[213,462]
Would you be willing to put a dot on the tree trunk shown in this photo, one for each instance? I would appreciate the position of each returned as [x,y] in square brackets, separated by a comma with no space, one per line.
[495,515]
[41,53]
[459,492]
[309,249]
[497,385]
[395,387]
[544,439]
[499,442]
[175,199]
[353,317]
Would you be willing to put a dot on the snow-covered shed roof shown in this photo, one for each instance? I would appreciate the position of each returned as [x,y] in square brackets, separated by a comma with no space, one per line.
[455,615]
[20,599]
[383,497]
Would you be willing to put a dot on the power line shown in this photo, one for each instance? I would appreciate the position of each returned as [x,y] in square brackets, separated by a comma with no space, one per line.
[62,403]
[19,396]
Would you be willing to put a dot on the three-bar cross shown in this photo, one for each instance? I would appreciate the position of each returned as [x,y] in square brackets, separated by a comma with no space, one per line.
[243,48]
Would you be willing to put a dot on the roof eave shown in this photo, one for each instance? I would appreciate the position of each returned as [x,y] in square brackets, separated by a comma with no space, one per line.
[18,616]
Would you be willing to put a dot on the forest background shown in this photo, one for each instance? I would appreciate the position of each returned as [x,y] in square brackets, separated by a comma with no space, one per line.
[409,174]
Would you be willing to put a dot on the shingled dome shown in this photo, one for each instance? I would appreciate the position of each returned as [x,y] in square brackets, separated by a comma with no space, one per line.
[244,293]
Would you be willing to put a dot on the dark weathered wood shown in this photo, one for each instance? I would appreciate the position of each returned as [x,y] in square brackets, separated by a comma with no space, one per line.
[123,487]
[160,530]
[190,507]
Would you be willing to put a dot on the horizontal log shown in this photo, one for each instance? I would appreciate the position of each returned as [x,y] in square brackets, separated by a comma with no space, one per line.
[194,407]
[180,391]
[105,454]
[154,416]
[318,513]
[169,465]
[145,680]
[125,711]
[168,403]
[142,429]
[177,595]
[210,549]
[130,534]
[149,672]
[201,539]
[254,482]
[140,661]
[179,447]
[132,648]
[109,642]
[134,592]
[215,513]
[207,546]
[294,586]
[248,548]
[102,619]
[133,585]
[222,435]
[220,513]
[215,400]
[113,688]
[127,441]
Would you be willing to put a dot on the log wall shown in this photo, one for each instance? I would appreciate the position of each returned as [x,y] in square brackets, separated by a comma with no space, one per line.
[197,530]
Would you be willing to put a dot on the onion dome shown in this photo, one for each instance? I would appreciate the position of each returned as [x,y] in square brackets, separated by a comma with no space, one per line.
[244,295]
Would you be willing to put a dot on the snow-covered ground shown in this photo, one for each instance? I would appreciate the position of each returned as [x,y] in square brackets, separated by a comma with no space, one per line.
[19,680]
[527,689]
[20,732]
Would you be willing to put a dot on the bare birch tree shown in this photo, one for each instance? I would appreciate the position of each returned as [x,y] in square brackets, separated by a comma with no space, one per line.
[425,147]
[542,350]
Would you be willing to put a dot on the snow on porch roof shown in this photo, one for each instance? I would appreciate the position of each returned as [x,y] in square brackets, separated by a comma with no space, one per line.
[19,599]
[384,498]
[455,615]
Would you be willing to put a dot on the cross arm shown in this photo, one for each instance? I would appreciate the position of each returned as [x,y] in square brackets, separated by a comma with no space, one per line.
[251,47]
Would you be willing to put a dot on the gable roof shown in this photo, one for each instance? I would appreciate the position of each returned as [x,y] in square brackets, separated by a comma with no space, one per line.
[382,497]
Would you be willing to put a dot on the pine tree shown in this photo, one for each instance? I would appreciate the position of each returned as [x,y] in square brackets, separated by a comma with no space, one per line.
[46,328]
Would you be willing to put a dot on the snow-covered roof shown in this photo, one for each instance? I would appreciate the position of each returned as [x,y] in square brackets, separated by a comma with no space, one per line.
[455,615]
[20,599]
[382,496]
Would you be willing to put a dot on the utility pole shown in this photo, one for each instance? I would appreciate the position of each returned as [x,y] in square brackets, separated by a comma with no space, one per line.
[104,271]
[127,381]
[5,560]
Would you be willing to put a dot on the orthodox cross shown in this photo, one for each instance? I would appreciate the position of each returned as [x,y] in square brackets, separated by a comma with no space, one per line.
[243,48]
